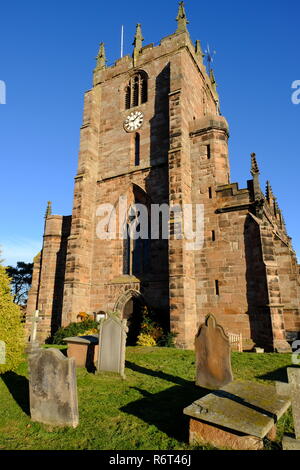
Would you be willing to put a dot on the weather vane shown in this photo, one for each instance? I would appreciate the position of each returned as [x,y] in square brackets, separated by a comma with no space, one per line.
[209,57]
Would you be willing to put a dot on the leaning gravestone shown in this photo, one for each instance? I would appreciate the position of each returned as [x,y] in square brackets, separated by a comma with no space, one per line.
[112,345]
[289,443]
[213,355]
[53,388]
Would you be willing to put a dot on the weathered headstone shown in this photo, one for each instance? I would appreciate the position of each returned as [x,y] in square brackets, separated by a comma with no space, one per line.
[2,352]
[294,381]
[283,388]
[112,345]
[289,443]
[213,355]
[53,388]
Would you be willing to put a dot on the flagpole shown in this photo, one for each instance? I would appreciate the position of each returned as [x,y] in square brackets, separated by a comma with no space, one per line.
[122,40]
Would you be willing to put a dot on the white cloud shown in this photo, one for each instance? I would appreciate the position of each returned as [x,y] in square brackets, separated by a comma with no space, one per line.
[19,249]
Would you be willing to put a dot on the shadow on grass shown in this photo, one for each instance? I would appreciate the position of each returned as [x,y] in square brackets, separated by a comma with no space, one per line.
[158,374]
[18,386]
[164,410]
[279,375]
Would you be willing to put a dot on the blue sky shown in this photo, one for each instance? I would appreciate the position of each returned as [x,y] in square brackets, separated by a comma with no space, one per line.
[47,55]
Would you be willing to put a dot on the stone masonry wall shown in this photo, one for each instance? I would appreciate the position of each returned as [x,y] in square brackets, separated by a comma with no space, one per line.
[221,264]
[80,246]
[48,276]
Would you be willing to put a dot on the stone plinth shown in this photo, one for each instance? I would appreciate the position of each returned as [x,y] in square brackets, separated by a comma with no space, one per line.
[84,349]
[238,416]
[201,432]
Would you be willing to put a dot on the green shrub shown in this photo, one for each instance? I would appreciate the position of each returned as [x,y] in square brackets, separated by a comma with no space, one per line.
[167,340]
[152,330]
[73,329]
[145,340]
[12,330]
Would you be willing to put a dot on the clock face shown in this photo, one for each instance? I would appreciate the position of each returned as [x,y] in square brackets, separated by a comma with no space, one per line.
[134,121]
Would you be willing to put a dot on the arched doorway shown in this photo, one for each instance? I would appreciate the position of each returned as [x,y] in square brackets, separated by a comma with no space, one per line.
[131,305]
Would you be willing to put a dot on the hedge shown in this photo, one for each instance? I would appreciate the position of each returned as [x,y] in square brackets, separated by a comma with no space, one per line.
[12,331]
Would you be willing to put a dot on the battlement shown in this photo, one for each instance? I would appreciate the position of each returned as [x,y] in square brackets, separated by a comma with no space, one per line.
[169,45]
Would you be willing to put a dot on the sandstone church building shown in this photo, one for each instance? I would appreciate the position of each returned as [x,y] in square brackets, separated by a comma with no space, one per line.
[152,132]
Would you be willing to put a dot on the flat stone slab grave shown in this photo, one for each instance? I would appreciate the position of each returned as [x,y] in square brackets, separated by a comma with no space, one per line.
[239,415]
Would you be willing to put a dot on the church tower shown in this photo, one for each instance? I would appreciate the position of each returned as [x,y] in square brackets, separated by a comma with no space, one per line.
[152,135]
[135,143]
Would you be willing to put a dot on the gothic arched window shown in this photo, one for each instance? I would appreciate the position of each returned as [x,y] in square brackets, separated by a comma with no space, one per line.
[136,92]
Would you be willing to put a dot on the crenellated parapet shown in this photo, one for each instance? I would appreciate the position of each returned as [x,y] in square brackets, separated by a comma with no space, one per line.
[143,55]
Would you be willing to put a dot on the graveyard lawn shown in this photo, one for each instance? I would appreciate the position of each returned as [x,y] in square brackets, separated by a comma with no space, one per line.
[143,412]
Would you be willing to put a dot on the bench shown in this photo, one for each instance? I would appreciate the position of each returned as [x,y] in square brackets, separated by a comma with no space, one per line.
[236,340]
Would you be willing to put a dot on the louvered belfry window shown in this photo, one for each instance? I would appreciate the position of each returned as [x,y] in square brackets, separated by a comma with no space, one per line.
[136,92]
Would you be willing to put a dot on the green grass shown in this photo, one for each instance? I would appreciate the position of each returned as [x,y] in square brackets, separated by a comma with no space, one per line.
[143,412]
